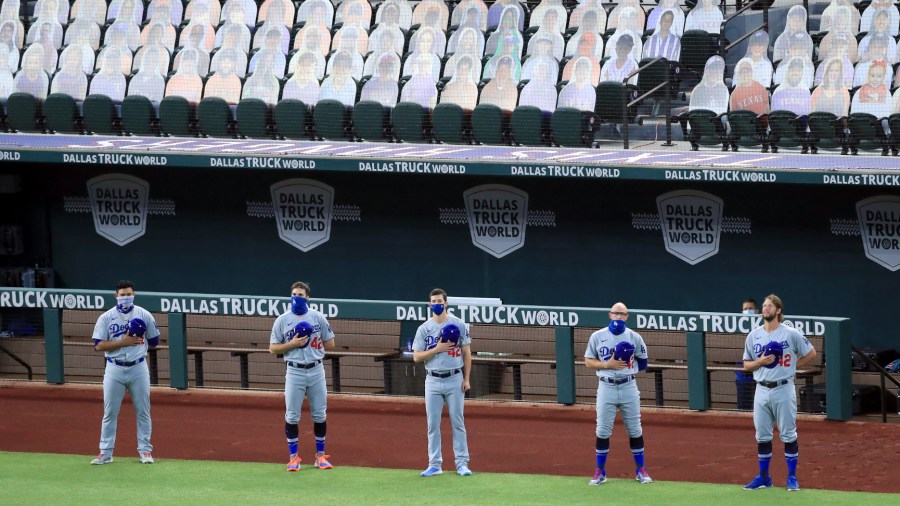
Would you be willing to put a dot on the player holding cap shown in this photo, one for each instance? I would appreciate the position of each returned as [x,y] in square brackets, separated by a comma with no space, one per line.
[773,353]
[442,342]
[302,335]
[618,353]
[124,334]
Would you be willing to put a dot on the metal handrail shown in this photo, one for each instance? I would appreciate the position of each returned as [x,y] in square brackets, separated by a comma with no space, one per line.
[763,26]
[884,374]
[17,359]
[626,104]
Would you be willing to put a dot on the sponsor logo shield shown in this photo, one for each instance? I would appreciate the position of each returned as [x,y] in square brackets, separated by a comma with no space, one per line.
[303,211]
[119,206]
[691,224]
[497,216]
[879,225]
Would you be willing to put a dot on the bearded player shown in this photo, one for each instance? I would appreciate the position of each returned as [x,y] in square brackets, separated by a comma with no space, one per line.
[302,335]
[773,353]
[618,353]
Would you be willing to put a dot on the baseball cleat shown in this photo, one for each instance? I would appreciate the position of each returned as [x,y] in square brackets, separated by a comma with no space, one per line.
[294,464]
[322,462]
[463,470]
[759,482]
[102,459]
[599,477]
[146,458]
[792,484]
[642,476]
[431,471]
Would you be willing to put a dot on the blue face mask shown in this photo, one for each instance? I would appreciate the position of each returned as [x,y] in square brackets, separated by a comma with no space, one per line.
[749,311]
[437,308]
[617,327]
[298,305]
[125,304]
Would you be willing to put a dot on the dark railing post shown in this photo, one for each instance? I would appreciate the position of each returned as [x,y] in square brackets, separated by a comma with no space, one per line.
[668,104]
[625,114]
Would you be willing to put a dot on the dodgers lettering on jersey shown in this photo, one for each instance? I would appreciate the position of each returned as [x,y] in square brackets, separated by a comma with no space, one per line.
[427,337]
[283,331]
[112,326]
[794,346]
[603,342]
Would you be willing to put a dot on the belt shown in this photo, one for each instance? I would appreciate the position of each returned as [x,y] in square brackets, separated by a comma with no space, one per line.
[444,374]
[611,381]
[772,384]
[304,366]
[122,363]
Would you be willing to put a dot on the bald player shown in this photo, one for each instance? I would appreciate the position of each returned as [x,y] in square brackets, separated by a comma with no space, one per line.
[775,400]
[447,368]
[618,353]
[302,335]
[126,370]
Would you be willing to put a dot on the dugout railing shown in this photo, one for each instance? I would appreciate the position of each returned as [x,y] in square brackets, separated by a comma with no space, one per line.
[523,353]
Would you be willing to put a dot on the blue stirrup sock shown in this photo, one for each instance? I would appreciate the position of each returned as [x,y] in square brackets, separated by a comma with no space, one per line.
[791,453]
[637,449]
[765,455]
[292,434]
[602,452]
[319,430]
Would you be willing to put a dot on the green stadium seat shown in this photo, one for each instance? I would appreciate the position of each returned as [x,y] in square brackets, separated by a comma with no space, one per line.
[138,116]
[23,113]
[409,120]
[706,129]
[331,118]
[826,131]
[214,118]
[100,115]
[62,114]
[572,127]
[894,123]
[747,129]
[292,119]
[176,117]
[866,132]
[611,96]
[697,46]
[254,119]
[489,125]
[449,121]
[784,130]
[527,124]
[371,121]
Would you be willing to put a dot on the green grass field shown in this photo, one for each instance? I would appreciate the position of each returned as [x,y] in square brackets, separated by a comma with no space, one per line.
[29,478]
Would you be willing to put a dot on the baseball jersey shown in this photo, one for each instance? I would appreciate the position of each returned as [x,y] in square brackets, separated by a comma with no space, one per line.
[427,337]
[603,342]
[793,343]
[112,325]
[283,331]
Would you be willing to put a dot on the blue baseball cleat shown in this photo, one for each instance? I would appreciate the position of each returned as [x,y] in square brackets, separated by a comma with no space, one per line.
[464,470]
[431,471]
[792,484]
[759,482]
[599,477]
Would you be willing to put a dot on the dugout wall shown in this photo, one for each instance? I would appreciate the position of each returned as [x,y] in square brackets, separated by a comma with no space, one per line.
[394,236]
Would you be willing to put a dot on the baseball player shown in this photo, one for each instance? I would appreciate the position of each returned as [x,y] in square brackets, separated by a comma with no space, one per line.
[442,343]
[773,353]
[302,335]
[123,334]
[618,353]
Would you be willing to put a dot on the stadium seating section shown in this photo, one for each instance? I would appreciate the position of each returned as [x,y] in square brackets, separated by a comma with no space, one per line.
[548,72]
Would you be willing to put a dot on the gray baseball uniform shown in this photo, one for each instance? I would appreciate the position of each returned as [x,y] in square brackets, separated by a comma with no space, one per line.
[443,383]
[126,369]
[776,398]
[305,376]
[617,389]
